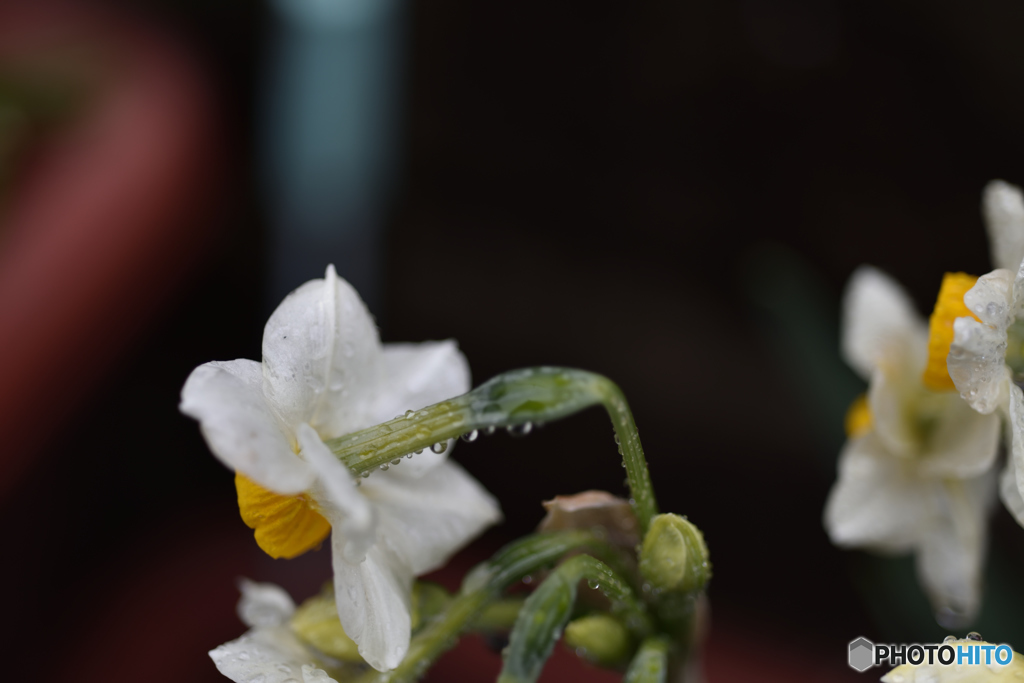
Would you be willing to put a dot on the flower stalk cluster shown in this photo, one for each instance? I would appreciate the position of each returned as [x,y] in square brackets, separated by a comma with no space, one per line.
[310,434]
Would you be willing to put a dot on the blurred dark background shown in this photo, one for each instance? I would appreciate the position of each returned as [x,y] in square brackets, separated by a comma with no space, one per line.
[669,193]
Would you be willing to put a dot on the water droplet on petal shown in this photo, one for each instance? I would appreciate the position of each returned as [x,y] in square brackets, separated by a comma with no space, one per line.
[396,461]
[384,467]
[439,447]
[594,584]
[974,635]
[949,639]
[365,474]
[470,436]
[409,455]
[490,430]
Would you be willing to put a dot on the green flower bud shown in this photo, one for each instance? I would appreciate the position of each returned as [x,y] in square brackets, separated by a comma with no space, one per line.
[602,639]
[316,622]
[674,556]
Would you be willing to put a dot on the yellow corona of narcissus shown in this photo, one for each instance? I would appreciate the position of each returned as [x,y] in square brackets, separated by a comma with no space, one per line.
[325,374]
[948,307]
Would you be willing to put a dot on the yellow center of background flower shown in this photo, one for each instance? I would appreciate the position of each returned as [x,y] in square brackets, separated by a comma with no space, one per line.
[286,526]
[858,418]
[948,307]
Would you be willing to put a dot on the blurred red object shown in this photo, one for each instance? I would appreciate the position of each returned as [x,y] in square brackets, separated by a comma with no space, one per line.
[103,223]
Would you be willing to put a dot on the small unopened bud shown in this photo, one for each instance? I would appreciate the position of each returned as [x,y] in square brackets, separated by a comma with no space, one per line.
[600,638]
[674,556]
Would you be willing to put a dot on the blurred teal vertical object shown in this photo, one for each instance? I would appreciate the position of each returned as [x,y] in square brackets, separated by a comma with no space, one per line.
[330,139]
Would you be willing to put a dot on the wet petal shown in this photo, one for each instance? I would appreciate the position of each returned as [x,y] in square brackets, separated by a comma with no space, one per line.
[373,599]
[949,558]
[991,299]
[876,502]
[976,364]
[264,604]
[240,429]
[1016,429]
[425,520]
[964,443]
[347,510]
[1003,208]
[877,316]
[270,655]
[321,357]
[416,376]
[1009,492]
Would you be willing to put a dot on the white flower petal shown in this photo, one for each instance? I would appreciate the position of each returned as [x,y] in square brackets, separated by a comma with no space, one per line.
[876,502]
[321,357]
[1009,492]
[270,655]
[227,399]
[877,315]
[976,364]
[991,299]
[1016,429]
[1003,208]
[419,375]
[964,443]
[890,397]
[311,674]
[264,604]
[341,503]
[425,520]
[950,556]
[373,600]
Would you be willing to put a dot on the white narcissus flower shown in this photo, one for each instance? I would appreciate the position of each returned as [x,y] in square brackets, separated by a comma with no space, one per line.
[270,651]
[916,472]
[325,374]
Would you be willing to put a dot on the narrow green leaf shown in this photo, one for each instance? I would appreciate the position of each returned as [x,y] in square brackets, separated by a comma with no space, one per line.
[547,610]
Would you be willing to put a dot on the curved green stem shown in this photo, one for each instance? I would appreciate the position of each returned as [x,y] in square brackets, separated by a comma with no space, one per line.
[520,397]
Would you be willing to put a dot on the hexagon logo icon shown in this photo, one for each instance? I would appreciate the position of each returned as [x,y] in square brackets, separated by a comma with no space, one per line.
[862,654]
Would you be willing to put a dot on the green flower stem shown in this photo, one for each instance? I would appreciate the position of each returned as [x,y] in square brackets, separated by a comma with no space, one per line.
[520,397]
[483,585]
[499,615]
[547,611]
[650,665]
